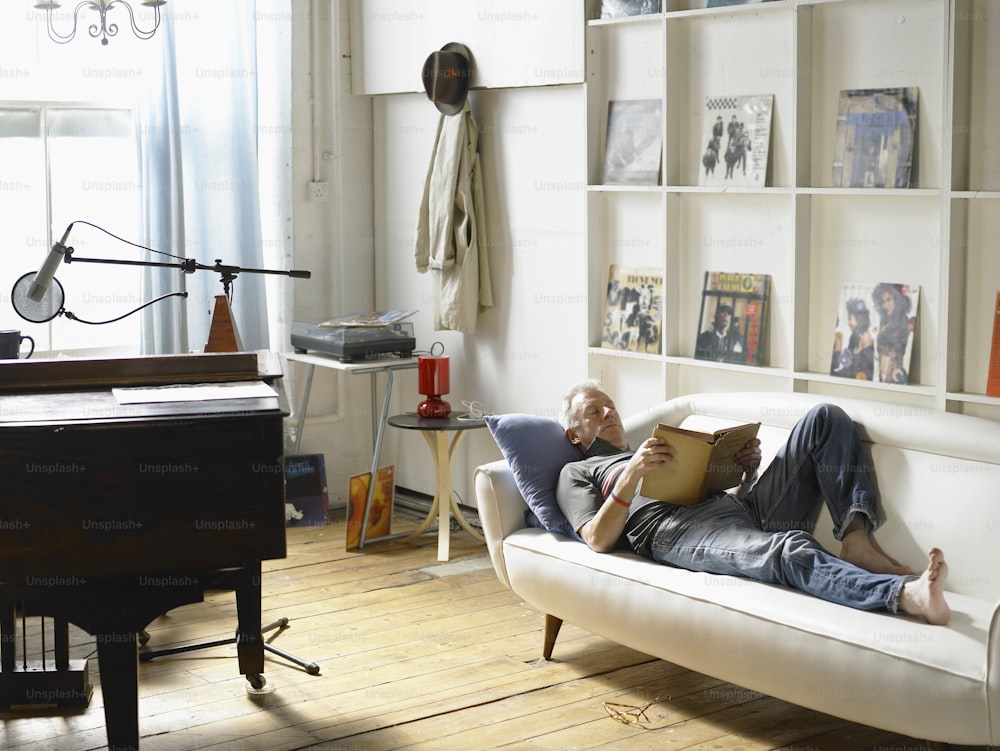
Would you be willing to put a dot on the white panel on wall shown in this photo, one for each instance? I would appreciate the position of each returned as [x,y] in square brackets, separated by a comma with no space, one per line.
[514,43]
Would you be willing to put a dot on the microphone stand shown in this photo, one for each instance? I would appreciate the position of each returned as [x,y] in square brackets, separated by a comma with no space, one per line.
[223,336]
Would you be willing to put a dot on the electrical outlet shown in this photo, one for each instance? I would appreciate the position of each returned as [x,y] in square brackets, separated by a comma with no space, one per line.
[319,191]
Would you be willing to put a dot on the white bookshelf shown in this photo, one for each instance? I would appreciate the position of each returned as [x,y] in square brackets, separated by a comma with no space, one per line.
[808,235]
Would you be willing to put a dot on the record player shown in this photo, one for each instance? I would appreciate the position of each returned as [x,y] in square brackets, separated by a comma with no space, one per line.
[354,343]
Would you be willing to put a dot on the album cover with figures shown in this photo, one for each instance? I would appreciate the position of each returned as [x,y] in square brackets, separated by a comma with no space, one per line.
[633,309]
[736,139]
[732,326]
[873,339]
[876,138]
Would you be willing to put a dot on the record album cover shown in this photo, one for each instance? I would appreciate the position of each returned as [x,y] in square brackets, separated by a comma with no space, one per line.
[732,326]
[736,139]
[380,514]
[307,500]
[633,310]
[634,142]
[993,371]
[623,8]
[873,339]
[876,136]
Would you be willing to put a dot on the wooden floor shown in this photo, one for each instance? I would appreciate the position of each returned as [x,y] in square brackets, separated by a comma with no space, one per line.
[421,655]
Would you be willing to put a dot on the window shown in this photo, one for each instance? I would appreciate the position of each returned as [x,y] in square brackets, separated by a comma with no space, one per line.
[62,164]
[138,137]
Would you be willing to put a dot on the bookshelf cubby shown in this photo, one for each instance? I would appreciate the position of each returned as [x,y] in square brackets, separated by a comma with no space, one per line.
[940,233]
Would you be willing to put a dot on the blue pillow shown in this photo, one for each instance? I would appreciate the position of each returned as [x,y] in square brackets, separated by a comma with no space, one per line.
[536,450]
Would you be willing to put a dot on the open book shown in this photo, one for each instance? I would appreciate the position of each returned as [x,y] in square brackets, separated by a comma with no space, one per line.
[703,463]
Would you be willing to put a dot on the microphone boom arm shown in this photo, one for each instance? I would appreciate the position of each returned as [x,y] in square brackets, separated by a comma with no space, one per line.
[189,266]
[34,302]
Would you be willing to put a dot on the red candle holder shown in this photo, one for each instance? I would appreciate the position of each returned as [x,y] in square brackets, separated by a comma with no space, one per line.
[433,381]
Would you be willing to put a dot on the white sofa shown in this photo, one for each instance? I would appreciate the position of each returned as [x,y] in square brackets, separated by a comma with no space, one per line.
[939,482]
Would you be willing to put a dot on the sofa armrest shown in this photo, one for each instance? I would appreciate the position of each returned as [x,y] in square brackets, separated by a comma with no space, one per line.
[993,672]
[501,509]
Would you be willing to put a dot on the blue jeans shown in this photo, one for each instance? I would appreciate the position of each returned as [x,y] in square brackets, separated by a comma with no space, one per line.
[765,536]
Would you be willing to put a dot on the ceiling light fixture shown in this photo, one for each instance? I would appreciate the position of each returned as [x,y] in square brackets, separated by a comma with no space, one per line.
[102,29]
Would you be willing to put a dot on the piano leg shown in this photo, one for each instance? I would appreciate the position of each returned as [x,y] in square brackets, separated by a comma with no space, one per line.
[249,639]
[118,657]
[8,636]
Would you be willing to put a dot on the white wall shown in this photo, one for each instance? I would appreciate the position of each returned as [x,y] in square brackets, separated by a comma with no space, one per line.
[332,142]
[375,153]
[532,343]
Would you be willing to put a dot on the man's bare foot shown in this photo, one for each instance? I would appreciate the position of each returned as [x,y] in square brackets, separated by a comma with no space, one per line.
[925,596]
[857,548]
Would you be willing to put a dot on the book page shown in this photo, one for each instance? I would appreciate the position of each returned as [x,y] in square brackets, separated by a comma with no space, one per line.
[724,472]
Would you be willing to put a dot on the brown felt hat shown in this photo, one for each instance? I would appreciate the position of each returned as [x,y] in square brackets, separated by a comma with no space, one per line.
[447,74]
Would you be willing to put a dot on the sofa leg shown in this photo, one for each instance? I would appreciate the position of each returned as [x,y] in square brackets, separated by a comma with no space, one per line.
[552,626]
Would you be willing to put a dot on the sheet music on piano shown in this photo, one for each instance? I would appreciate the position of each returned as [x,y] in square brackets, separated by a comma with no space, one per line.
[193,392]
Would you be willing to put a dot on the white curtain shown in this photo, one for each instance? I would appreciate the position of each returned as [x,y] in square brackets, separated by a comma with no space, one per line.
[216,154]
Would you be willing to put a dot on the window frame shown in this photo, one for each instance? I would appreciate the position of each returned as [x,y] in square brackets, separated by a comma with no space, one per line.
[62,329]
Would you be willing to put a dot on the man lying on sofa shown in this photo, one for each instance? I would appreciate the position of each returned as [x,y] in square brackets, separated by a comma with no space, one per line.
[754,530]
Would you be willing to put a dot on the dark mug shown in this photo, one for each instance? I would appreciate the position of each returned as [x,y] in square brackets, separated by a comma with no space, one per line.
[10,345]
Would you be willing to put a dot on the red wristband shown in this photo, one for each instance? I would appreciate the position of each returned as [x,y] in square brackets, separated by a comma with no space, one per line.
[619,501]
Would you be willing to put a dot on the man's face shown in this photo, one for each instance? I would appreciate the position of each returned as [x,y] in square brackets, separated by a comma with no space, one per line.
[722,317]
[598,418]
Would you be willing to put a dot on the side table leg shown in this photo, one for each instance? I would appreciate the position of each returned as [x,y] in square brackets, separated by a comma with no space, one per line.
[452,498]
[442,458]
[303,406]
[376,450]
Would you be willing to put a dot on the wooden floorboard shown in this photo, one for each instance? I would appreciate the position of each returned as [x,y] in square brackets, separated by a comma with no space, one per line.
[418,655]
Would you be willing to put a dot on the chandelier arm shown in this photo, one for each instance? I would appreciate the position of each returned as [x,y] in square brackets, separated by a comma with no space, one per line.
[139,32]
[54,35]
[103,29]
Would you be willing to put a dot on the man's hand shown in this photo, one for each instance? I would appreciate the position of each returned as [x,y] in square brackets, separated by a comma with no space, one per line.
[749,457]
[652,454]
[602,532]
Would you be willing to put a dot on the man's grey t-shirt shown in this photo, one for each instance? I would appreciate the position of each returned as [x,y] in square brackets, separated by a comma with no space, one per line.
[584,485]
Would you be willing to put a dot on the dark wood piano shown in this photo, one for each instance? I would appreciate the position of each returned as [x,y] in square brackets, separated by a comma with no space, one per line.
[112,514]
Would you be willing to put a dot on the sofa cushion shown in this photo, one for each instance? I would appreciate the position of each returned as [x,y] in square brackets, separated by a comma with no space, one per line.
[536,449]
[635,601]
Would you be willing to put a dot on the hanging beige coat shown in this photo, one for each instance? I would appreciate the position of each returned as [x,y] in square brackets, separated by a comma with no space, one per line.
[451,228]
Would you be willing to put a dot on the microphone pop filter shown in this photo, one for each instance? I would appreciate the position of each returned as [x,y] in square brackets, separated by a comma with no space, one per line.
[37,311]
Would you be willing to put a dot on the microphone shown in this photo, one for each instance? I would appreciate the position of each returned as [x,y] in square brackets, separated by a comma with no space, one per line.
[40,284]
